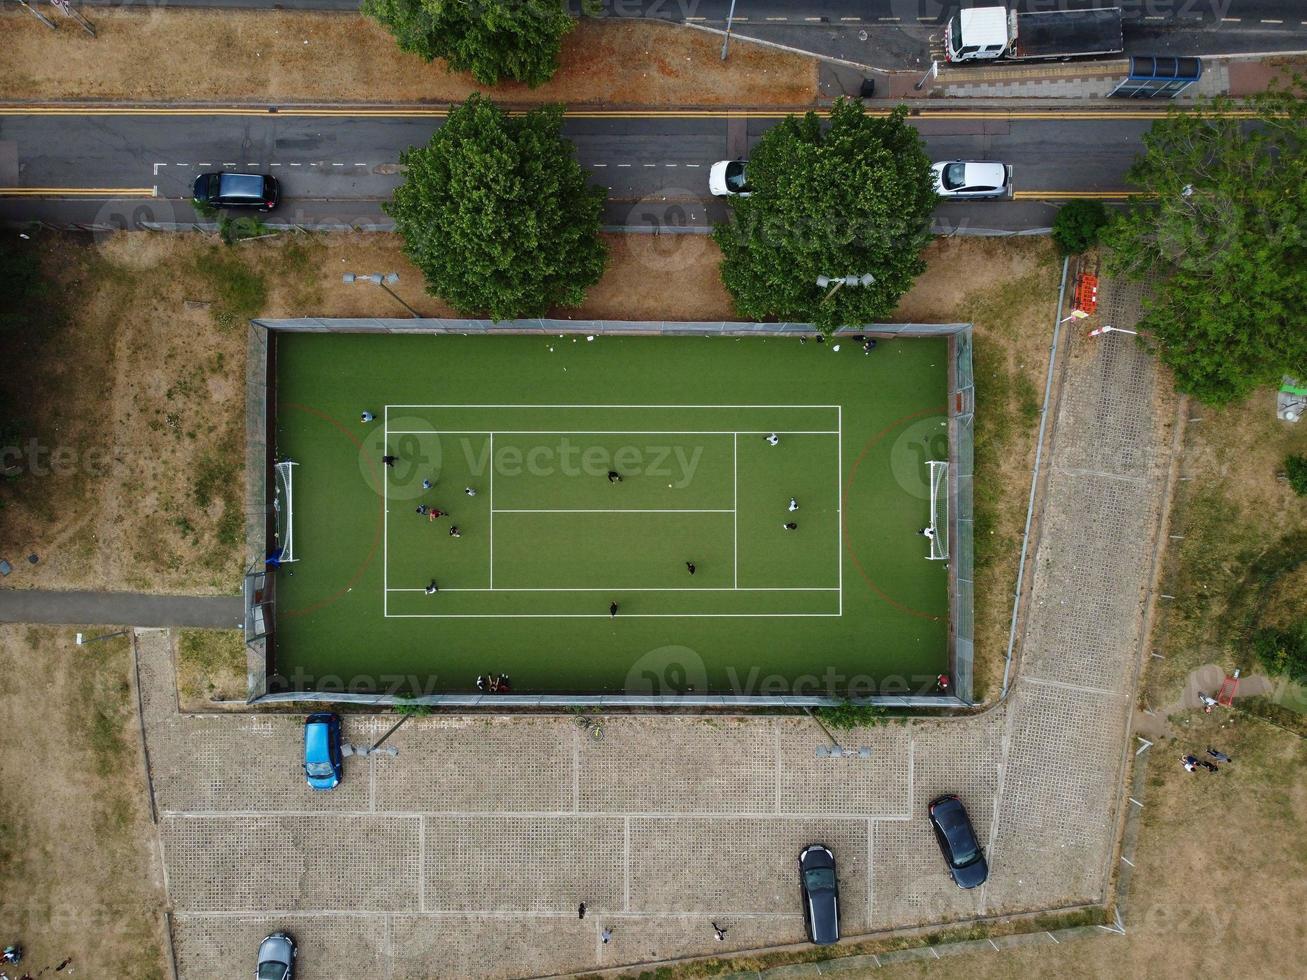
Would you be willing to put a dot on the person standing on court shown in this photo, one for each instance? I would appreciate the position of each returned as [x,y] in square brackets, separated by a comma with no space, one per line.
[612,610]
[389,461]
[773,439]
[366,417]
[790,526]
[689,567]
[614,476]
[794,504]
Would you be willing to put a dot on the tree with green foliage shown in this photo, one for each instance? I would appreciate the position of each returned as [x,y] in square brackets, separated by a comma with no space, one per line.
[1078,225]
[852,198]
[1283,651]
[1222,226]
[491,39]
[1295,471]
[498,215]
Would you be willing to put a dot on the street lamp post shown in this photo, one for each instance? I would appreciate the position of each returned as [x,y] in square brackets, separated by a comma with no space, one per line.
[726,41]
[84,640]
[866,279]
[377,279]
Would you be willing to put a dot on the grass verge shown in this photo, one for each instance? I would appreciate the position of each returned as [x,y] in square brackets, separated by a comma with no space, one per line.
[210,667]
[76,871]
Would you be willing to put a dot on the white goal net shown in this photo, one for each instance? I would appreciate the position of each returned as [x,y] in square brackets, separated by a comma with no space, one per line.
[937,532]
[283,502]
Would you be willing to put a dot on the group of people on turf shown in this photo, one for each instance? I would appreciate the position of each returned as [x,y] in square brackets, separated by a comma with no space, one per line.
[431,513]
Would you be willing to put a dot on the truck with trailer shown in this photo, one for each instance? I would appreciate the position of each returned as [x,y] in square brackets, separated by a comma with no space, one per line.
[988,33]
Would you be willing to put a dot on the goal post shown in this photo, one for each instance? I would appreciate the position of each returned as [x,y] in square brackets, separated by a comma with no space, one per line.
[938,527]
[283,503]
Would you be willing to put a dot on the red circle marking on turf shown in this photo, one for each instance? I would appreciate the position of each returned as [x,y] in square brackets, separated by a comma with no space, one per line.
[381,518]
[844,527]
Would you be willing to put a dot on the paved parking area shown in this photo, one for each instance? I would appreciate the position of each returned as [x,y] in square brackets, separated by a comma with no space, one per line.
[467,853]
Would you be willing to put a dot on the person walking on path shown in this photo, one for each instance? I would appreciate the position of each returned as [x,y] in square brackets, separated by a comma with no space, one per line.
[689,567]
[773,439]
[606,935]
[1217,755]
[612,610]
[794,504]
[366,417]
[718,931]
[580,911]
[790,526]
[389,461]
[614,476]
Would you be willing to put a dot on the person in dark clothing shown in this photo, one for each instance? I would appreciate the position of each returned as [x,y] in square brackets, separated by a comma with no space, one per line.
[454,532]
[689,567]
[612,610]
[614,476]
[1217,755]
[431,588]
[422,509]
[388,460]
[790,526]
[580,911]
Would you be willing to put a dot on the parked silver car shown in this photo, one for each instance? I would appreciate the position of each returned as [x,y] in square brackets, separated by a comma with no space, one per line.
[276,957]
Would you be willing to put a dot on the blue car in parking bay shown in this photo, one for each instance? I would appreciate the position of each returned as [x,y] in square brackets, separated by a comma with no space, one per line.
[322,759]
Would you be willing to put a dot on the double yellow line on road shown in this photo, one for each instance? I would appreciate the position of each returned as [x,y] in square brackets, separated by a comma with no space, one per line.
[77,192]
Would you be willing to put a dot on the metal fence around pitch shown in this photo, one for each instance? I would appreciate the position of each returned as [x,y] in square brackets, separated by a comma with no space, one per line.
[261,405]
[962,517]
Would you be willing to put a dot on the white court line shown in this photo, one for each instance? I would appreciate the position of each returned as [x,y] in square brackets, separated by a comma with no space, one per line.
[735,507]
[839,505]
[530,405]
[604,615]
[760,588]
[385,516]
[492,510]
[618,510]
[615,432]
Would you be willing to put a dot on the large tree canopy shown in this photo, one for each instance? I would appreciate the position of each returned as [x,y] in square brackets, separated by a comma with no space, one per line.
[853,199]
[498,215]
[1223,229]
[492,39]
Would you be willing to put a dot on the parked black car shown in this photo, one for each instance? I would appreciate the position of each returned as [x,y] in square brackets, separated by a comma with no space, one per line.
[821,894]
[957,839]
[228,190]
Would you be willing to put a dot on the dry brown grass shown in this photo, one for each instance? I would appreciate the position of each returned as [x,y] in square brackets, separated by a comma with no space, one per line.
[272,56]
[78,876]
[1008,289]
[211,668]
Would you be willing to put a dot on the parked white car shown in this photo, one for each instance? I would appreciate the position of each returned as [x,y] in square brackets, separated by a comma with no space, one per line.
[972,179]
[727,179]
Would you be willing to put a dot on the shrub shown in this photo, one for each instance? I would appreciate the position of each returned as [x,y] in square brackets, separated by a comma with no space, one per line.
[1077,226]
[850,715]
[1283,651]
[1295,468]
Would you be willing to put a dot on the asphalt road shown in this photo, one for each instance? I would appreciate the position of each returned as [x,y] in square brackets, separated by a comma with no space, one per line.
[338,167]
[836,27]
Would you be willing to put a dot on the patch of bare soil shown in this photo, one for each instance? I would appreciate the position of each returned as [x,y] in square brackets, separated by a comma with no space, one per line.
[283,56]
[78,877]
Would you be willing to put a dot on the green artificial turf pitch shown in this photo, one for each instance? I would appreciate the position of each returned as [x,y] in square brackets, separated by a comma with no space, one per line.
[847,602]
